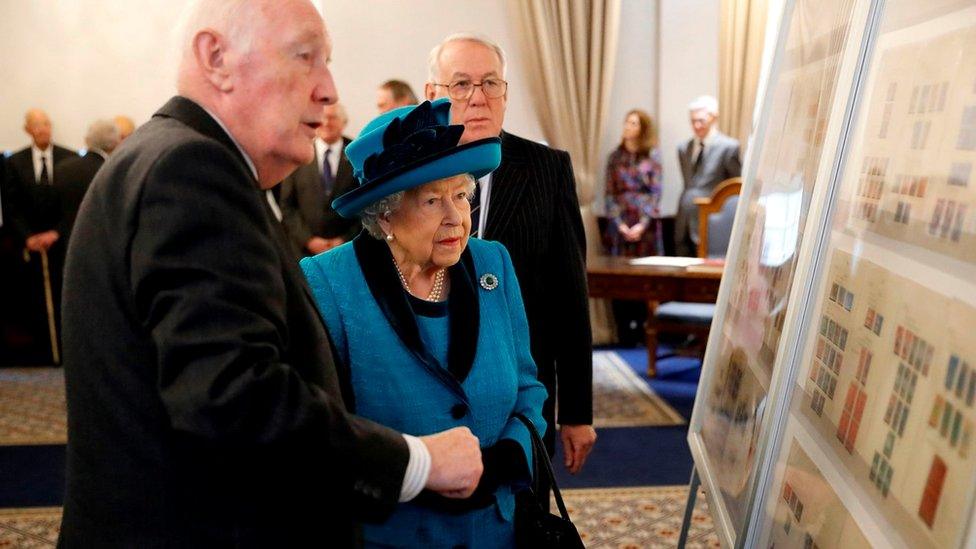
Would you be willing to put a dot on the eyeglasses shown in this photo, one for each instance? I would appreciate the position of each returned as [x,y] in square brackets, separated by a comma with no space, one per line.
[463,89]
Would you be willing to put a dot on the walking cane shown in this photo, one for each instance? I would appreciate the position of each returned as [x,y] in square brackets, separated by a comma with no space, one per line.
[49,302]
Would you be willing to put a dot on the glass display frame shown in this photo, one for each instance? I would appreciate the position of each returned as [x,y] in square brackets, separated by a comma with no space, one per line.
[887,294]
[754,408]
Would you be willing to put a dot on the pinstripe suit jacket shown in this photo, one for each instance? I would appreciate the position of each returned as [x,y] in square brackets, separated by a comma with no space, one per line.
[534,212]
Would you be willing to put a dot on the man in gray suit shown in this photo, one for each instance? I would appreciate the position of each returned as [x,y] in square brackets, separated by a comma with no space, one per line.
[707,159]
[306,195]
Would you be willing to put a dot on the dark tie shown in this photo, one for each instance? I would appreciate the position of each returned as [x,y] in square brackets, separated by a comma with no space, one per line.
[328,180]
[45,178]
[701,154]
[476,209]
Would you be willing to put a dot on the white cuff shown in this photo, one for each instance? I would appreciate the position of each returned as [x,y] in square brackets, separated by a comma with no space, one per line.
[418,469]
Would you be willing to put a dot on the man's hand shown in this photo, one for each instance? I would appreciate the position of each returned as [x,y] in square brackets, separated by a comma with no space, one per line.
[41,242]
[317,245]
[455,462]
[577,440]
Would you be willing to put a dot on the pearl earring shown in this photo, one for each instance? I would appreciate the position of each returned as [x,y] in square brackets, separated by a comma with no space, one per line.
[389,237]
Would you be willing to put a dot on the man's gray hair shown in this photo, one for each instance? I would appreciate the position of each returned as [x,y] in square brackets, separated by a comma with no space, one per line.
[103,135]
[385,206]
[706,103]
[434,59]
[231,18]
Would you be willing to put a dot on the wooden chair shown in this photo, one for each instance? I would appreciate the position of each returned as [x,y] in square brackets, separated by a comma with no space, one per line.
[715,215]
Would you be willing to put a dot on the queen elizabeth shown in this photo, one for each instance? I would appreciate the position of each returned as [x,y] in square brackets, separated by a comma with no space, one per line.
[430,324]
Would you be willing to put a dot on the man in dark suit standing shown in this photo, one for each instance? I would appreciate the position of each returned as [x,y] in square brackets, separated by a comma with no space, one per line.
[707,159]
[306,195]
[35,164]
[34,181]
[529,204]
[75,174]
[205,406]
[33,169]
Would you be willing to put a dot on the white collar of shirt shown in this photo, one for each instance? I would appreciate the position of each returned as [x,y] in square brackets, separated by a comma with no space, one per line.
[484,190]
[247,159]
[334,150]
[99,152]
[38,156]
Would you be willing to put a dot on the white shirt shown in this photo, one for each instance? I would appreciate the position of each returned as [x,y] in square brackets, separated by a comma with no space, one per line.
[418,466]
[334,151]
[46,157]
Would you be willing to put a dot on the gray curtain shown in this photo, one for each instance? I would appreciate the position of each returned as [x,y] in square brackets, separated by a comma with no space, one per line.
[570,48]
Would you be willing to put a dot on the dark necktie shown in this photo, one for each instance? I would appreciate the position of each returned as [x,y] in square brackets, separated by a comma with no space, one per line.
[45,177]
[476,208]
[328,180]
[701,154]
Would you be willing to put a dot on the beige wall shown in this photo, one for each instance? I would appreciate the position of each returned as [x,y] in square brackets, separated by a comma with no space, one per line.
[85,59]
[82,60]
[59,56]
[688,65]
[376,40]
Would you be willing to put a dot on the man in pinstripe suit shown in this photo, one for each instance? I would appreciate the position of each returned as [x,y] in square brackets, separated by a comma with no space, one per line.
[529,204]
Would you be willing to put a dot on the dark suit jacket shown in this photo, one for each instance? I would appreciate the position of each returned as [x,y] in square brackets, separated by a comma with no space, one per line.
[74,176]
[721,161]
[204,406]
[535,213]
[41,204]
[307,210]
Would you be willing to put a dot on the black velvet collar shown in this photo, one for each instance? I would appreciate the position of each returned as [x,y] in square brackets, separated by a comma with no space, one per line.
[376,262]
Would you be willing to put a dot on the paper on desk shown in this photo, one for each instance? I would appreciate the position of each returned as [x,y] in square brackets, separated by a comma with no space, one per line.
[667,261]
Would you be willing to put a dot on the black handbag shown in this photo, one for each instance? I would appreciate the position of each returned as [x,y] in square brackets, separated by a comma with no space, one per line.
[535,527]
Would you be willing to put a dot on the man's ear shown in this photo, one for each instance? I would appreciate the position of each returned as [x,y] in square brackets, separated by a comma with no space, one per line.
[209,50]
[430,91]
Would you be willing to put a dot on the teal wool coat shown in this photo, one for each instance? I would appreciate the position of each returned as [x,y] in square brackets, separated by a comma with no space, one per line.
[395,380]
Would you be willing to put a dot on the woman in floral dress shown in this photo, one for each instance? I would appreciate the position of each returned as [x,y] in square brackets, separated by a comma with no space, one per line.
[633,200]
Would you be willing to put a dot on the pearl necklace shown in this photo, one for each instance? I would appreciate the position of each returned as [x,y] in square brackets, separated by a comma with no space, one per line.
[435,291]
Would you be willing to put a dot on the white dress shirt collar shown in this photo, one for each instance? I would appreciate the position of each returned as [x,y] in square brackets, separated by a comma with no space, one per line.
[47,156]
[335,153]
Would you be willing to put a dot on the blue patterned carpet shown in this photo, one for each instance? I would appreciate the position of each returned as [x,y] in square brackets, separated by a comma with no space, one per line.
[643,456]
[630,494]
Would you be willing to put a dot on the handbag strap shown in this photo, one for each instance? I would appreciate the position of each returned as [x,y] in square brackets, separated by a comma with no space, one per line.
[539,454]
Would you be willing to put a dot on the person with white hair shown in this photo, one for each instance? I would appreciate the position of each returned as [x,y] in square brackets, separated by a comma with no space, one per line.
[529,204]
[206,405]
[75,174]
[706,159]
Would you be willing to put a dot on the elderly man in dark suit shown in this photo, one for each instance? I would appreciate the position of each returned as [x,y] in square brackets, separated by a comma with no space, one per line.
[205,406]
[33,170]
[529,204]
[76,174]
[34,181]
[706,159]
[35,164]
[306,195]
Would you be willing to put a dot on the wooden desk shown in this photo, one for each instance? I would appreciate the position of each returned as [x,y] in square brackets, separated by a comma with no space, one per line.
[616,278]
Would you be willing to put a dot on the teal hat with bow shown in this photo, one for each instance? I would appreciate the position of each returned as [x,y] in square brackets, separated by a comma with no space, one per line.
[409,147]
